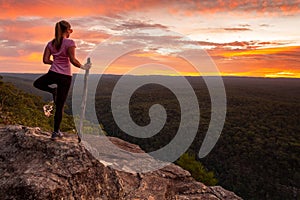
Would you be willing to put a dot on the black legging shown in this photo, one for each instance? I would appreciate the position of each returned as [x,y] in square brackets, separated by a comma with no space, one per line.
[63,85]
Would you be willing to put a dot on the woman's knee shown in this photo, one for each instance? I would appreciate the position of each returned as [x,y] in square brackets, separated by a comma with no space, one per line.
[35,84]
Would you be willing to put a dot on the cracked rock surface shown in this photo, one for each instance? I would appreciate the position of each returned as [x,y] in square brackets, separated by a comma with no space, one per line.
[34,167]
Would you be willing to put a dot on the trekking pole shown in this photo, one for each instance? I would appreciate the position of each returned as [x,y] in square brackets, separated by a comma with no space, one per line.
[83,103]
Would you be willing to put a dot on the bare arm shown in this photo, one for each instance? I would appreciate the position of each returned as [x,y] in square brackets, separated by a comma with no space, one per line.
[46,56]
[73,60]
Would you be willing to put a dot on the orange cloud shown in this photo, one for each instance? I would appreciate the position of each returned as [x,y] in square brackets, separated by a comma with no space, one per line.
[278,67]
[67,8]
[44,8]
[267,62]
[272,7]
[135,59]
[286,74]
[71,8]
[263,51]
[26,30]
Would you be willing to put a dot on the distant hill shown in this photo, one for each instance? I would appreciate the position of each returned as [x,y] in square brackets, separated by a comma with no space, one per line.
[27,76]
[25,83]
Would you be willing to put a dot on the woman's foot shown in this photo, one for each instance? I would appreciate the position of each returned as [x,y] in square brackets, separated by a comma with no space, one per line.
[48,108]
[56,135]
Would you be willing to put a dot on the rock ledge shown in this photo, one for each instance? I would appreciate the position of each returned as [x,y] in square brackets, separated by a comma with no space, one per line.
[34,167]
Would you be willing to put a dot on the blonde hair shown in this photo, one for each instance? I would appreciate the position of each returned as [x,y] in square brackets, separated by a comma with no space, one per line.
[60,28]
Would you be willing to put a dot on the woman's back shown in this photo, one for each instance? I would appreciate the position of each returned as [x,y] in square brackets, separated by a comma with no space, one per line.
[61,61]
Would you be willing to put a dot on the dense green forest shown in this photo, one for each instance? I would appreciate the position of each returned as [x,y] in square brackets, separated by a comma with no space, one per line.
[257,155]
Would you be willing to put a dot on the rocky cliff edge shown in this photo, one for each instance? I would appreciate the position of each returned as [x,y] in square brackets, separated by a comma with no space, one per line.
[34,167]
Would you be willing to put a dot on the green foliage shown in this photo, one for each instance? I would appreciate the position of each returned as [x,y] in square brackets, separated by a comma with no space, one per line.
[18,107]
[197,170]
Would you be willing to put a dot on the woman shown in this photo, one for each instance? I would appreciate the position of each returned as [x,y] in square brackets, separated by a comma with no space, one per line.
[63,51]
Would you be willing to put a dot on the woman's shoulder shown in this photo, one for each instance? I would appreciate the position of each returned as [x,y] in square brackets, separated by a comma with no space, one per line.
[49,44]
[69,42]
[68,39]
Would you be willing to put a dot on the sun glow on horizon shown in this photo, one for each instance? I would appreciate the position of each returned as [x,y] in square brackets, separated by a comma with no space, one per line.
[261,51]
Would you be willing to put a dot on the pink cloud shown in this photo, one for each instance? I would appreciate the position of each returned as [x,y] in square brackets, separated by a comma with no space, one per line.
[69,8]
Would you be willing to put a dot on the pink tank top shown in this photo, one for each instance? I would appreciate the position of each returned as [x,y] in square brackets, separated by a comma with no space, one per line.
[61,62]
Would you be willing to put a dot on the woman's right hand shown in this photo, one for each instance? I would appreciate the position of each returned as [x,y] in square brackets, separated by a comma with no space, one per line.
[86,66]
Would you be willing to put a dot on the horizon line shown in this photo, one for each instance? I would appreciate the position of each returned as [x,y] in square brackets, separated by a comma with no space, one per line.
[225,76]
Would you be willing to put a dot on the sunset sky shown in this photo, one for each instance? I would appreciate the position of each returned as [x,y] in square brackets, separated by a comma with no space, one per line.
[243,38]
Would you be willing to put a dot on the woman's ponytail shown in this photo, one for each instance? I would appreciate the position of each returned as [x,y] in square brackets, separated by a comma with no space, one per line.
[60,28]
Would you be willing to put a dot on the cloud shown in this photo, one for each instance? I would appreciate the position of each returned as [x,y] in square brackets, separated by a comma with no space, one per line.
[137,24]
[266,63]
[237,29]
[244,25]
[14,48]
[246,45]
[94,21]
[26,28]
[278,51]
[278,59]
[286,74]
[264,25]
[274,7]
[69,8]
